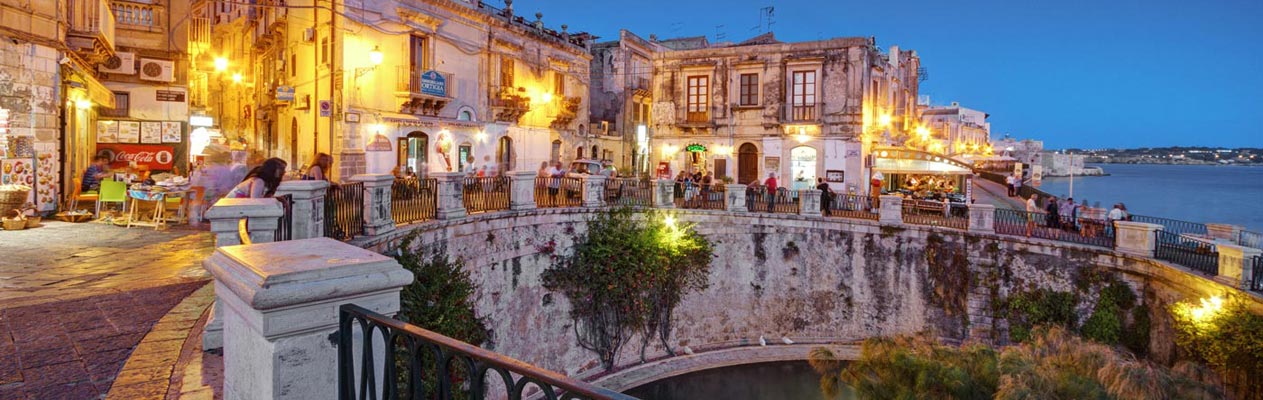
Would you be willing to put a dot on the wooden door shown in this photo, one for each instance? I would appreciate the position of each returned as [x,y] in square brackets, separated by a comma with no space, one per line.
[747,164]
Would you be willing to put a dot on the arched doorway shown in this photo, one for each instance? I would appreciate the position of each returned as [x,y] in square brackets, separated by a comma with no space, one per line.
[556,151]
[595,154]
[747,163]
[802,167]
[578,152]
[412,152]
[504,153]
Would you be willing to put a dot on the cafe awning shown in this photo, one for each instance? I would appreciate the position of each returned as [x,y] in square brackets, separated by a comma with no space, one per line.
[909,161]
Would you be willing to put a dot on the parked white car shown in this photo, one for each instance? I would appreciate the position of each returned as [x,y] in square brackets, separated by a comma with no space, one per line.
[579,168]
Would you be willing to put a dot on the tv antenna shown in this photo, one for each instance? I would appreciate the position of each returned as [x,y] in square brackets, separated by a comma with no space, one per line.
[766,19]
[719,33]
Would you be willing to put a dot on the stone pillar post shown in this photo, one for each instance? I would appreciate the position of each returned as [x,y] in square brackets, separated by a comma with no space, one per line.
[664,193]
[1236,265]
[378,219]
[1225,232]
[594,190]
[809,202]
[735,198]
[280,304]
[982,218]
[891,210]
[262,218]
[451,194]
[1136,238]
[523,195]
[308,208]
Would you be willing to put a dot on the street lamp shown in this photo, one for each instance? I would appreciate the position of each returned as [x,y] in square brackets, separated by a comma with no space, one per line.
[236,77]
[375,56]
[221,64]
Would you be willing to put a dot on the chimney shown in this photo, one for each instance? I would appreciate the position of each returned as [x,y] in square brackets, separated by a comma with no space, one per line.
[508,8]
[653,37]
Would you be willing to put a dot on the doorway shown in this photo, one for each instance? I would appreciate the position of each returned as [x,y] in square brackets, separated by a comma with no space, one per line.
[802,164]
[412,152]
[504,153]
[747,163]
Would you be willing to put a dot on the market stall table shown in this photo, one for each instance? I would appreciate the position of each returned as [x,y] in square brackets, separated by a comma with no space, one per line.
[158,196]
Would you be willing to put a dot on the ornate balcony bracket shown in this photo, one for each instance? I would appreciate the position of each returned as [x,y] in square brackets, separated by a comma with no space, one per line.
[510,105]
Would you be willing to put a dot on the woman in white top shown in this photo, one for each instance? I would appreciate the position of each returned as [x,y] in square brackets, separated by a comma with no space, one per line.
[261,181]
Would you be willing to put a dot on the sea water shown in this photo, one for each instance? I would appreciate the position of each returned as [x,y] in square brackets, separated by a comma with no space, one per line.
[1200,193]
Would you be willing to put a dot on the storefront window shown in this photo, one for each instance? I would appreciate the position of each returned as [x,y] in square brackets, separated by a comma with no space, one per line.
[803,166]
[412,152]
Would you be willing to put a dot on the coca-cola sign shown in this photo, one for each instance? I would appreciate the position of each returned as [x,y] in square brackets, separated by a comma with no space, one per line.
[156,157]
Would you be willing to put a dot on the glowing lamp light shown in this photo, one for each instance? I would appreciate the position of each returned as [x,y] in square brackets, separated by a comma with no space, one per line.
[83,104]
[480,136]
[221,64]
[548,97]
[923,132]
[236,77]
[802,135]
[375,56]
[884,120]
[669,221]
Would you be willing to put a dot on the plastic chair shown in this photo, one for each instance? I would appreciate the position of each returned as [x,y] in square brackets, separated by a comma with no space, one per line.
[77,195]
[111,192]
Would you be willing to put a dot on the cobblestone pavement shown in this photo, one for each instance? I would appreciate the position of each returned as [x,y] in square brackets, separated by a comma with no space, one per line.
[988,192]
[75,299]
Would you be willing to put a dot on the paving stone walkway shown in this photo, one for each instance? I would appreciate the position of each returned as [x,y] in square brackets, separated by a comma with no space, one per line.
[76,299]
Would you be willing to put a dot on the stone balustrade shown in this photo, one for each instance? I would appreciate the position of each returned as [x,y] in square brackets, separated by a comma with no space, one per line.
[308,208]
[262,217]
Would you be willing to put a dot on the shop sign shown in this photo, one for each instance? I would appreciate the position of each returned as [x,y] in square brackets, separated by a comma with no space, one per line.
[201,120]
[285,93]
[156,157]
[379,143]
[834,175]
[170,95]
[1037,175]
[433,83]
[695,148]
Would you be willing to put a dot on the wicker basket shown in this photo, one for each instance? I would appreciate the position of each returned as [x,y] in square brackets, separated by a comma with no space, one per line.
[32,221]
[11,199]
[14,224]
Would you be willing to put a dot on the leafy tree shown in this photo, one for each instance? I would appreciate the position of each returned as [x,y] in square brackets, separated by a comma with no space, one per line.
[1228,337]
[626,277]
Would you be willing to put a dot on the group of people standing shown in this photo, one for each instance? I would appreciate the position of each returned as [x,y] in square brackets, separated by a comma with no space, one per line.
[694,188]
[1066,215]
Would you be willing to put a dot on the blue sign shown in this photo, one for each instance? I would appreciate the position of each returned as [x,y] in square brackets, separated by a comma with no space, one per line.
[285,93]
[433,83]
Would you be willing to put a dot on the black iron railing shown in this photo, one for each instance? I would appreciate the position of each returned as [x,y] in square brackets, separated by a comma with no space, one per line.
[705,197]
[631,192]
[413,200]
[344,210]
[486,194]
[1256,280]
[1201,256]
[852,206]
[558,192]
[420,364]
[935,213]
[285,229]
[1173,225]
[783,201]
[1039,225]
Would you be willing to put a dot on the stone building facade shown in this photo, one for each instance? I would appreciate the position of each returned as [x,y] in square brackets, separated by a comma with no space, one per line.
[50,92]
[798,110]
[420,85]
[956,130]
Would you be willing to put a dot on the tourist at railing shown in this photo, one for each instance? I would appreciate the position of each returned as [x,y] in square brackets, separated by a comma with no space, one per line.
[770,184]
[1053,219]
[1031,210]
[261,181]
[826,197]
[319,169]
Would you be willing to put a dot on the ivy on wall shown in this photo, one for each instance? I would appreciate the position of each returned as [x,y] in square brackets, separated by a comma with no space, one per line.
[1116,318]
[1226,336]
[626,277]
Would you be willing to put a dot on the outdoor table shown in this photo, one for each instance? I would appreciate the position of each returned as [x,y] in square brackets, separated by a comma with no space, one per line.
[158,196]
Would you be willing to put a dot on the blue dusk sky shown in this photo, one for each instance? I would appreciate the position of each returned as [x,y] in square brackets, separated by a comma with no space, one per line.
[1081,73]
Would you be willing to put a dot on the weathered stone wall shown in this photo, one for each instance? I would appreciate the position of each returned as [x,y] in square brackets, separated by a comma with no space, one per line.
[811,279]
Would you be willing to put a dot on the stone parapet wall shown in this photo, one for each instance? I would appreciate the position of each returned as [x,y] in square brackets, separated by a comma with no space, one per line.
[810,279]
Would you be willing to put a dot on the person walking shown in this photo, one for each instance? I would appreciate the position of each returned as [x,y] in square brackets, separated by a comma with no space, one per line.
[1008,184]
[1031,210]
[826,196]
[770,183]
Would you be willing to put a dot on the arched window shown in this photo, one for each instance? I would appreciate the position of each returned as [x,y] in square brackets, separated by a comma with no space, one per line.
[747,163]
[556,151]
[578,152]
[595,154]
[803,166]
[413,151]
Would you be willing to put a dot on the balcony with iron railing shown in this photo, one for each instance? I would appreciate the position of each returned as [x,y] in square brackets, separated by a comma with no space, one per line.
[640,85]
[802,113]
[91,27]
[697,117]
[138,16]
[422,96]
[508,104]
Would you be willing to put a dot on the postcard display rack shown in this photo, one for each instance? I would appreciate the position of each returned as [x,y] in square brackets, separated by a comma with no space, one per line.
[23,161]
